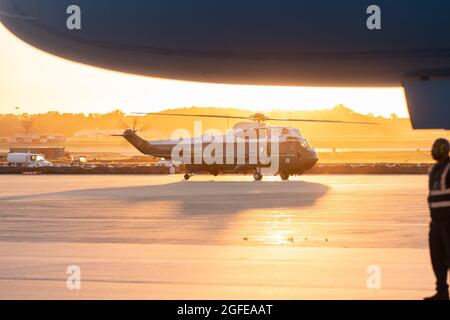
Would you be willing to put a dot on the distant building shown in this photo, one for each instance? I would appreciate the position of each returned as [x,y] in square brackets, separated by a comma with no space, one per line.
[48,152]
[34,138]
[37,138]
[102,133]
[96,133]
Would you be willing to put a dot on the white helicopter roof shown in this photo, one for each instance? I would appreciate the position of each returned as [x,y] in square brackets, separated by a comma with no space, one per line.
[248,125]
[282,131]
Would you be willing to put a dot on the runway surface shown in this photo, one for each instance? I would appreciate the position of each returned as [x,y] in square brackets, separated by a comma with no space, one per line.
[214,237]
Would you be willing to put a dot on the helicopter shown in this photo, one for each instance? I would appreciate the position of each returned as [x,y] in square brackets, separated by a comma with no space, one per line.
[250,146]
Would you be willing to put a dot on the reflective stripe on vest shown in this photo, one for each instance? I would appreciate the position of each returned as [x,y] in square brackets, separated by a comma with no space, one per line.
[443,194]
[440,204]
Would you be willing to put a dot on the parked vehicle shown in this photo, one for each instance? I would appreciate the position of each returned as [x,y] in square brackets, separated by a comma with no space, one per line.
[27,159]
[172,165]
[79,161]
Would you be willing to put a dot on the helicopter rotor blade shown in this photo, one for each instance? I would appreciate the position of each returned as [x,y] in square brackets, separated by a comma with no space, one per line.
[135,122]
[322,121]
[251,117]
[192,115]
[146,127]
[122,124]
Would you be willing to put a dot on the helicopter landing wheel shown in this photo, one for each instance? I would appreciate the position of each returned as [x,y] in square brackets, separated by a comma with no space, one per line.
[187,176]
[284,176]
[257,176]
[215,173]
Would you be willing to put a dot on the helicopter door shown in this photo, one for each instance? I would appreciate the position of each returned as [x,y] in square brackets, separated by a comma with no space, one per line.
[263,133]
[263,145]
[292,147]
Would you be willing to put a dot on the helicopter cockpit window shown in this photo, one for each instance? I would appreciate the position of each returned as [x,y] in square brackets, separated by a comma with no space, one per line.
[306,144]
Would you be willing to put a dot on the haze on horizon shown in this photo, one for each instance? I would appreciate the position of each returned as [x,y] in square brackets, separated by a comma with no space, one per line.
[38,82]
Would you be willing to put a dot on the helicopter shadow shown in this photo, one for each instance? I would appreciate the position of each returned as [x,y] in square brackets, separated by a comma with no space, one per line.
[179,212]
[201,197]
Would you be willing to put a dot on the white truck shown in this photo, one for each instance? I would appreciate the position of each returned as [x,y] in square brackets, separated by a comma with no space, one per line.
[30,160]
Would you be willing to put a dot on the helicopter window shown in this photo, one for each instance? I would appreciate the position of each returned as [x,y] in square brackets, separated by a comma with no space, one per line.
[294,132]
[239,133]
[305,144]
[263,133]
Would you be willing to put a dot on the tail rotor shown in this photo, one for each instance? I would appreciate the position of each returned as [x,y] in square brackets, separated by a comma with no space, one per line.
[132,124]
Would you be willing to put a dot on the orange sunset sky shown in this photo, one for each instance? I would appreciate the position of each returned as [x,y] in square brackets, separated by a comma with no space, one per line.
[37,82]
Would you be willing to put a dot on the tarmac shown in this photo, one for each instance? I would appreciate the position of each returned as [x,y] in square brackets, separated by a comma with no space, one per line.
[226,237]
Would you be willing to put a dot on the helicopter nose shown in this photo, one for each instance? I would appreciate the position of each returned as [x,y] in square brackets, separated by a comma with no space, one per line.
[314,155]
[312,159]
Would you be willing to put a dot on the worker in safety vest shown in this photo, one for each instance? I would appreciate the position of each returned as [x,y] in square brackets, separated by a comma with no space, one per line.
[439,203]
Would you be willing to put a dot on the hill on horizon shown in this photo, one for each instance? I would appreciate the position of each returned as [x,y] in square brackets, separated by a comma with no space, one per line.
[69,123]
[393,131]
